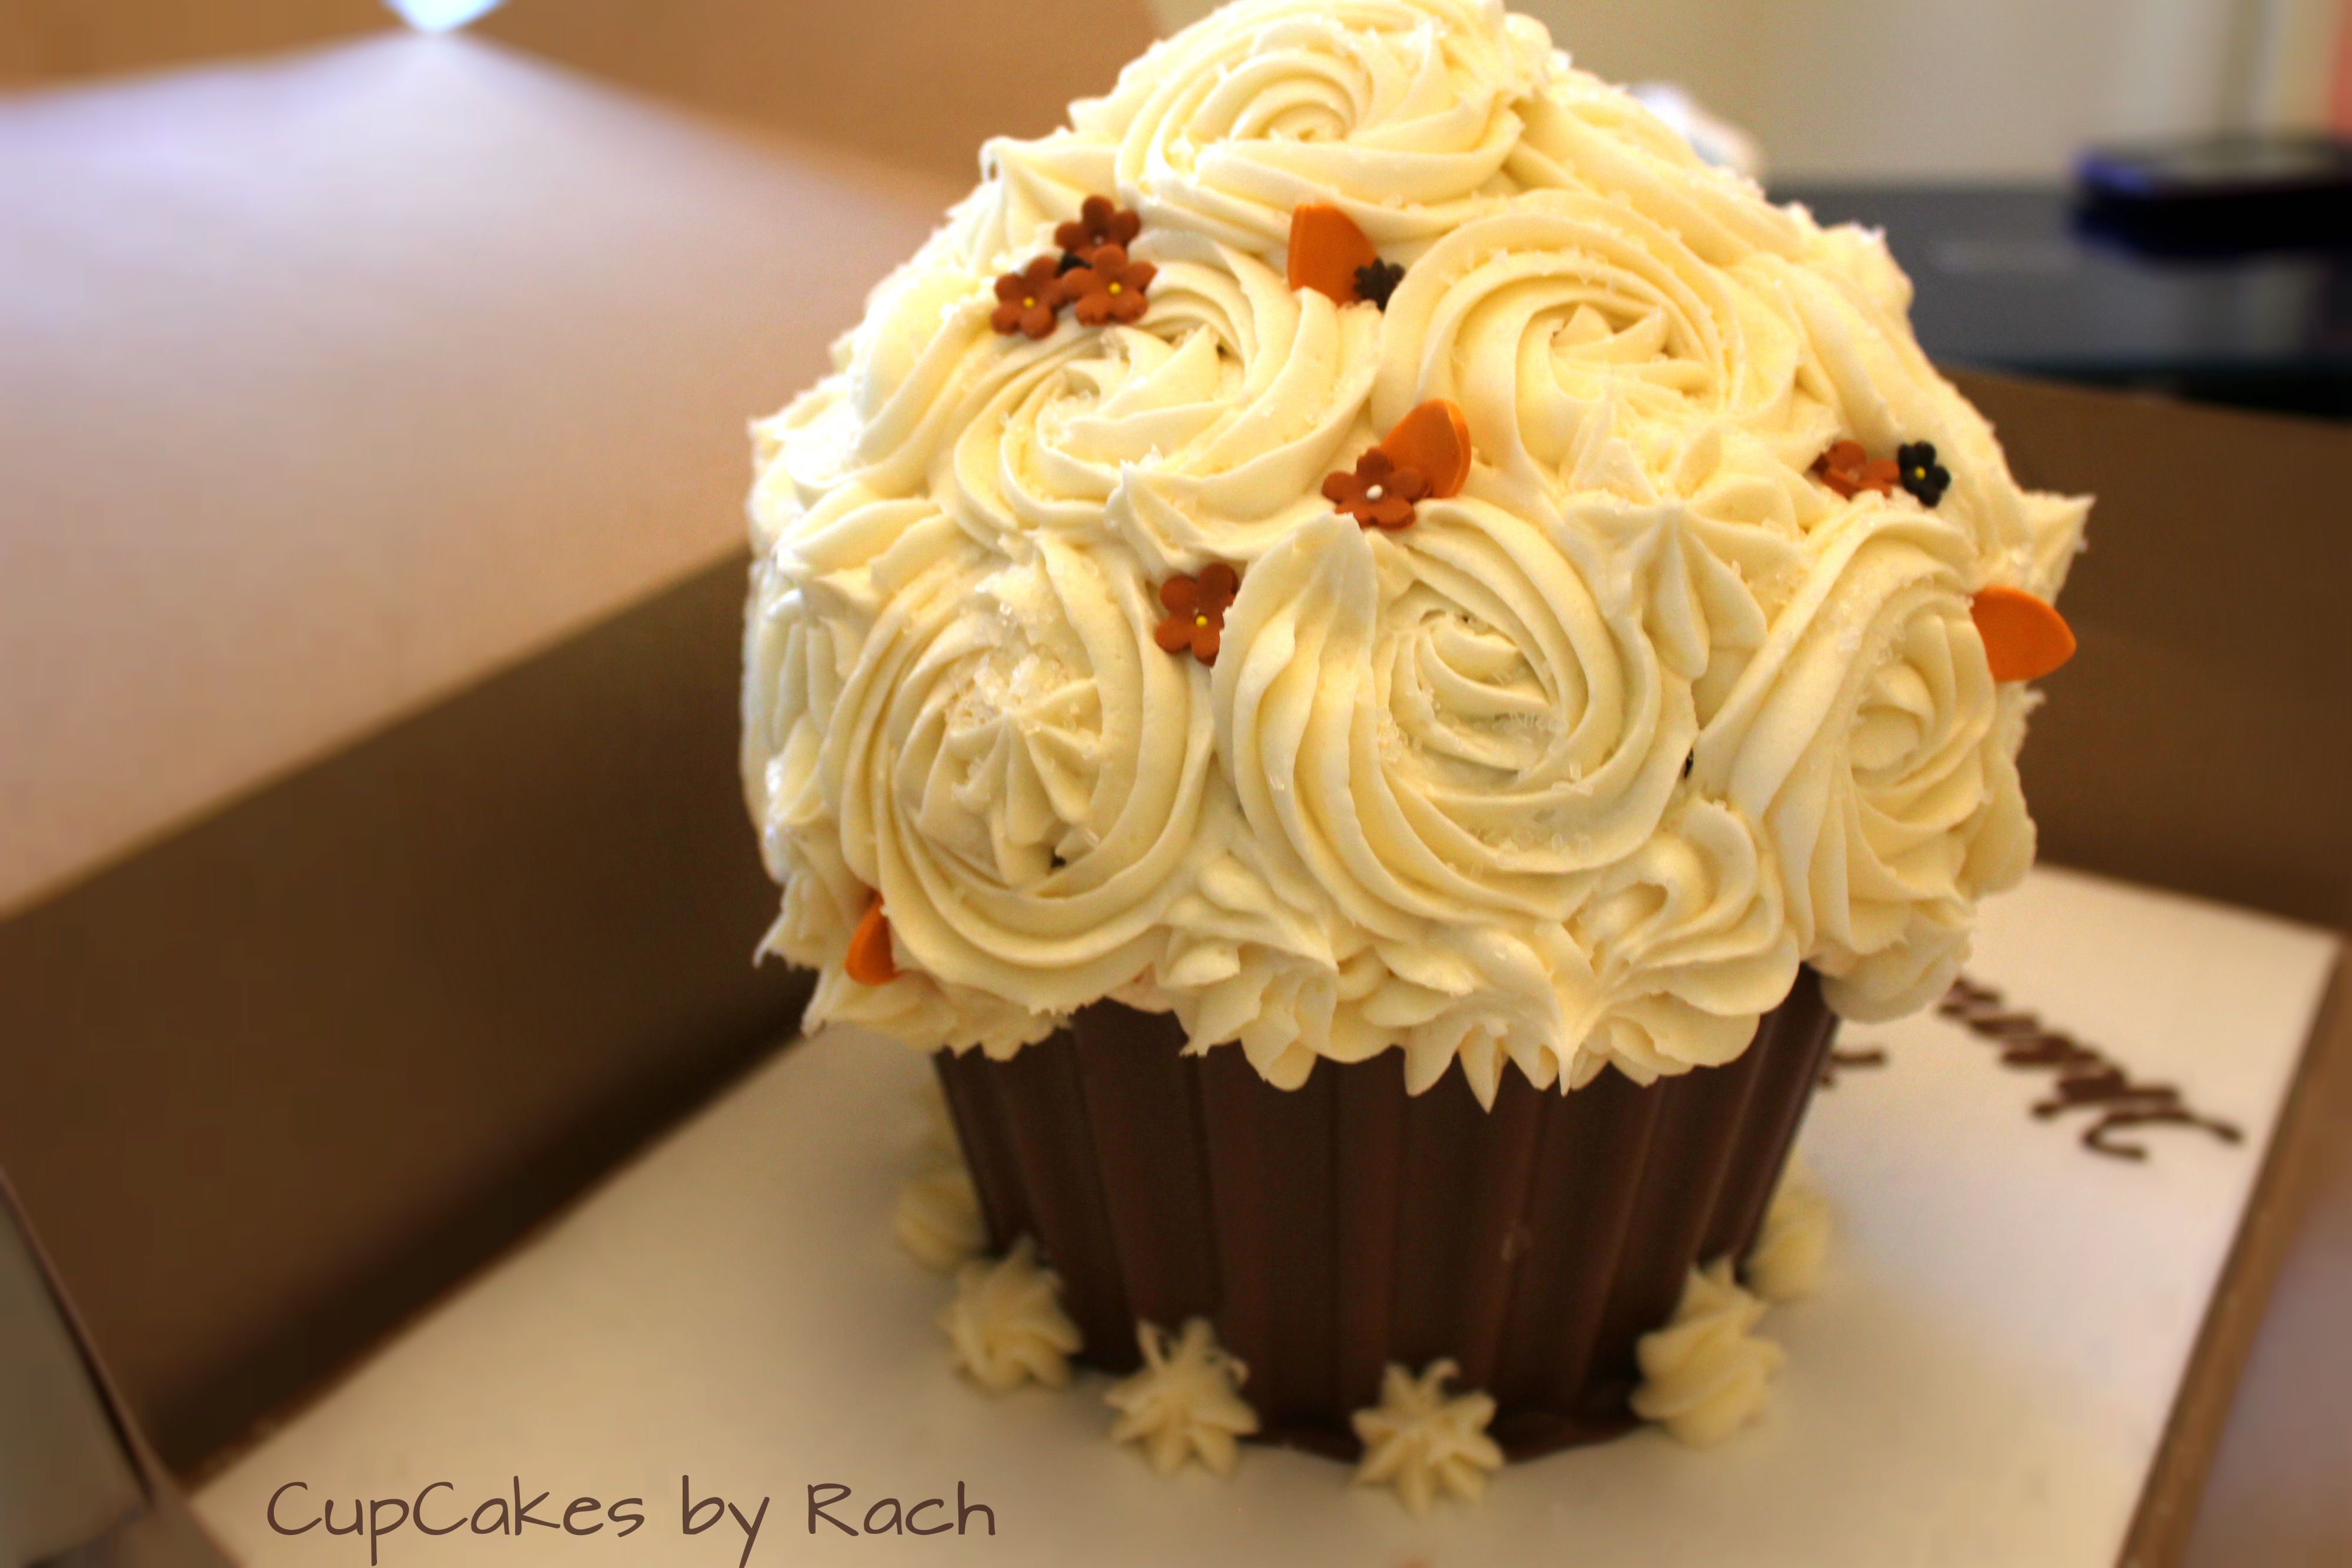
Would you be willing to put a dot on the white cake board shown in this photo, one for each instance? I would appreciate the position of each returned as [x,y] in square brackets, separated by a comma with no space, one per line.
[1984,1378]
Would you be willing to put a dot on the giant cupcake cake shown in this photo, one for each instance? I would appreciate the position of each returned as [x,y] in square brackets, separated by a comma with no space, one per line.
[1372,652]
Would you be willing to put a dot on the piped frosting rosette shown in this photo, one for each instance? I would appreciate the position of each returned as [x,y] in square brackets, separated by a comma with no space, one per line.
[1443,725]
[1010,763]
[1446,748]
[1070,676]
[1562,303]
[1870,739]
[1404,114]
[1197,434]
[905,383]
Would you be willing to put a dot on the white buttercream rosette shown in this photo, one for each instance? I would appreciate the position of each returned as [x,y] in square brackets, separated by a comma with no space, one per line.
[1008,760]
[1561,302]
[1404,114]
[1572,770]
[1442,726]
[1198,434]
[1870,739]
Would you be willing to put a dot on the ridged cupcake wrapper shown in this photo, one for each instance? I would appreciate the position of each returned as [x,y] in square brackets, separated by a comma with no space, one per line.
[1331,1230]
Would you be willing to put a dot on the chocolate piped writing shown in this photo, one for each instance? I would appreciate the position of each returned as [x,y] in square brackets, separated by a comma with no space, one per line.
[2086,1080]
[1839,1061]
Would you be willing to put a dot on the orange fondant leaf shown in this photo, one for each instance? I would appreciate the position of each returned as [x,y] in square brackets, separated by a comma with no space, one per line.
[2025,637]
[869,962]
[1434,439]
[1326,248]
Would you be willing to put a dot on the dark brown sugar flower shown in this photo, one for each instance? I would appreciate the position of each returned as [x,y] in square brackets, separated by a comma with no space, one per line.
[1196,610]
[1110,287]
[1100,222]
[1377,280]
[1926,479]
[1379,494]
[1027,299]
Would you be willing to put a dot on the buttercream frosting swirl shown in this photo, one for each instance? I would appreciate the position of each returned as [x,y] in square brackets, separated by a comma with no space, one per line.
[1199,435]
[1572,771]
[1403,114]
[1870,739]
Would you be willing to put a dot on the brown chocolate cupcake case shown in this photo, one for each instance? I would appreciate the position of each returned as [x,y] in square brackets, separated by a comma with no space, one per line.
[1371,654]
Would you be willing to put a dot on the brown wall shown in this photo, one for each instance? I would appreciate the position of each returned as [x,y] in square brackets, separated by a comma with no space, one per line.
[59,40]
[921,82]
[2202,738]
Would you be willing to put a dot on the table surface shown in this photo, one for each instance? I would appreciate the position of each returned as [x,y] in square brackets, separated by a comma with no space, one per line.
[1987,1378]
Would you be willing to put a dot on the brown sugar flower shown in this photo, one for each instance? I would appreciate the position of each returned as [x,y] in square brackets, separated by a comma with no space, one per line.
[1379,494]
[1100,222]
[1196,610]
[1027,299]
[1110,287]
[1848,470]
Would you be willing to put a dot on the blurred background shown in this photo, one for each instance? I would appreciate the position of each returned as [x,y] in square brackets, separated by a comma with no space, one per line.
[1985,89]
[1961,128]
[1834,89]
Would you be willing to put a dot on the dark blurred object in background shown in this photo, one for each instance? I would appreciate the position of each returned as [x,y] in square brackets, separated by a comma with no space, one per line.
[2220,196]
[2009,280]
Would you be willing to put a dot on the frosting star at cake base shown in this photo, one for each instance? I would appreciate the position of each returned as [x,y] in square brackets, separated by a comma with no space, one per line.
[938,1220]
[1421,1442]
[1006,1326]
[1792,1247]
[1704,1376]
[1185,1403]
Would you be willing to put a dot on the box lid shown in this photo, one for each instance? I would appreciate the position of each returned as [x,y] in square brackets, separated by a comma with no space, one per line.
[339,380]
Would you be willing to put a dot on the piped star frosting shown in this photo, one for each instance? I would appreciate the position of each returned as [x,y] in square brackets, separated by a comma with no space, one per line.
[1006,1326]
[1422,1441]
[1793,1245]
[1185,1403]
[1705,1375]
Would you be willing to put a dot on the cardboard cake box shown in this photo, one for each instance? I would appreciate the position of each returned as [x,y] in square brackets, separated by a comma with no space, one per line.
[372,871]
